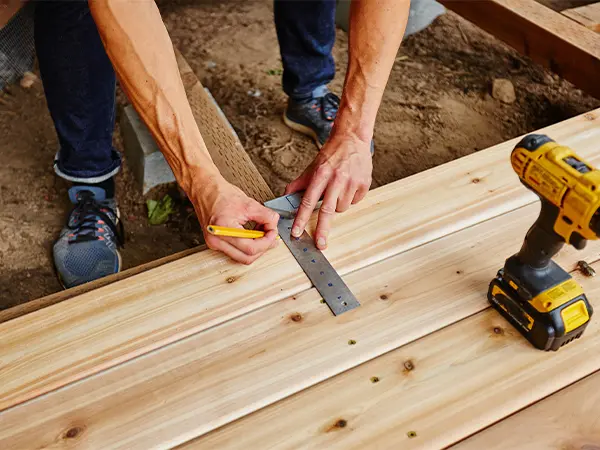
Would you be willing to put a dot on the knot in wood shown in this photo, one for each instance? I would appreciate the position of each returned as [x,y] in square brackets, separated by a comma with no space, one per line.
[383,297]
[231,279]
[408,365]
[296,317]
[498,330]
[72,433]
[475,180]
[341,423]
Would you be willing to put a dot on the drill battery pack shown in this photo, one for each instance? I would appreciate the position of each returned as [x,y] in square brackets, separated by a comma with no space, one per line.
[549,309]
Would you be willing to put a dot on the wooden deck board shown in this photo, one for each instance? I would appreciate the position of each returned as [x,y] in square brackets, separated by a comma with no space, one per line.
[431,393]
[544,35]
[588,16]
[97,330]
[224,373]
[107,328]
[568,419]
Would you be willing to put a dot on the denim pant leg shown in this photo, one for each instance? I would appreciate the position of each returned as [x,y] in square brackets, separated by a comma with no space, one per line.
[79,82]
[306,34]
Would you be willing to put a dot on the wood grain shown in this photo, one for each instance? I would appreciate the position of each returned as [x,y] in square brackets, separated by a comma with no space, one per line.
[52,299]
[212,378]
[569,419]
[225,149]
[66,342]
[587,15]
[544,35]
[430,393]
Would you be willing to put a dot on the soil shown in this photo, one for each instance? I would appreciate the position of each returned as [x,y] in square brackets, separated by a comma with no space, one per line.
[437,107]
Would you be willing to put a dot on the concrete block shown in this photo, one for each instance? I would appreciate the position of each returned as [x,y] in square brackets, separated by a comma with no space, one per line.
[143,155]
[422,13]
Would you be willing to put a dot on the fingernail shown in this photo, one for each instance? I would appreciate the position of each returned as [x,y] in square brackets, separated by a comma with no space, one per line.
[321,242]
[296,231]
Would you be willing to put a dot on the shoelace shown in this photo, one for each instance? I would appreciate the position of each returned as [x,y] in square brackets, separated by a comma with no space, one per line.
[88,211]
[328,105]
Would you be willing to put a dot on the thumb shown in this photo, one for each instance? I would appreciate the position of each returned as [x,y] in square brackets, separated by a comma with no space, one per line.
[264,216]
[299,184]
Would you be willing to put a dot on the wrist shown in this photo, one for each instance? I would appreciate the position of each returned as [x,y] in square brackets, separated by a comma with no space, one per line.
[200,183]
[354,122]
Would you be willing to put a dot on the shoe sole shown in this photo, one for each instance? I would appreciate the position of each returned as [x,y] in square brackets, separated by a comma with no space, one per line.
[307,131]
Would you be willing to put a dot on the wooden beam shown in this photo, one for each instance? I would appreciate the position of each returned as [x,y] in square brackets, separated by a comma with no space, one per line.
[66,342]
[224,148]
[547,37]
[566,420]
[588,16]
[228,155]
[430,393]
[219,375]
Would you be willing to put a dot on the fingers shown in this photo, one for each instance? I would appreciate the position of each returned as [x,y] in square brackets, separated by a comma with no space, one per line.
[361,193]
[311,197]
[347,196]
[245,251]
[300,183]
[327,211]
[254,248]
[263,216]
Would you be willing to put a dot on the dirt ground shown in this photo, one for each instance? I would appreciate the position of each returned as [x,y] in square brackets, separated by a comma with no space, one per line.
[437,107]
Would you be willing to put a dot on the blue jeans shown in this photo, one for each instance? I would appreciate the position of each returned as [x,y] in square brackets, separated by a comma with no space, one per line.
[306,34]
[79,80]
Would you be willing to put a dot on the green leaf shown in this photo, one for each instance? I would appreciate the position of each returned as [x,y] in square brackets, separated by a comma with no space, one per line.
[159,212]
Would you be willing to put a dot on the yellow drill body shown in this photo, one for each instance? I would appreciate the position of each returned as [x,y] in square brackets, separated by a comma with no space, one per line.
[537,296]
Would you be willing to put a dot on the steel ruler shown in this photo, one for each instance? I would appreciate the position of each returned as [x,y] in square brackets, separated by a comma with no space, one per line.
[313,262]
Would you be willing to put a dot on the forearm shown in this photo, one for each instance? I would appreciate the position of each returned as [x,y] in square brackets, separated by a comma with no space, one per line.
[141,51]
[376,30]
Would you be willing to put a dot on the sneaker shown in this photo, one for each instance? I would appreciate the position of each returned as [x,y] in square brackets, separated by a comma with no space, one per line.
[314,118]
[87,248]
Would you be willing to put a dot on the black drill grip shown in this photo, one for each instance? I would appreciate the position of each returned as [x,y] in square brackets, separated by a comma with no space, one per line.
[542,242]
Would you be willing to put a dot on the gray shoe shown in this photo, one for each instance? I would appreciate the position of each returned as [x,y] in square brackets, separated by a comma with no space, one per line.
[314,118]
[87,248]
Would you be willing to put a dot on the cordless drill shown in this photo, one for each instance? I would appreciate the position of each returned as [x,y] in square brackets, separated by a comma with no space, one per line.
[532,292]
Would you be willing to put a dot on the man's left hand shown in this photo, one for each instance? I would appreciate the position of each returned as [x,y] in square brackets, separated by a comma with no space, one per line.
[341,174]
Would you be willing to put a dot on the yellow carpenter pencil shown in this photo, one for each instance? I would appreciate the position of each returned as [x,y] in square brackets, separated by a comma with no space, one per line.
[235,232]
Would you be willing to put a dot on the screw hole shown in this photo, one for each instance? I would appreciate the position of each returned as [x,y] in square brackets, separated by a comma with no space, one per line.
[345,303]
[305,250]
[412,434]
[313,261]
[351,342]
[330,284]
[322,273]
[374,379]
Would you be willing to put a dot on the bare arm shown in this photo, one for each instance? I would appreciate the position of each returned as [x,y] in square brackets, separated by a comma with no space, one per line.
[141,52]
[342,170]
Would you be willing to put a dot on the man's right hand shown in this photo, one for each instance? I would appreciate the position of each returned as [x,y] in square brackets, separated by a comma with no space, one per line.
[225,205]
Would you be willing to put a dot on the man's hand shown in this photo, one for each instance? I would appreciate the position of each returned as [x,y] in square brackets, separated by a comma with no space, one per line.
[223,204]
[341,173]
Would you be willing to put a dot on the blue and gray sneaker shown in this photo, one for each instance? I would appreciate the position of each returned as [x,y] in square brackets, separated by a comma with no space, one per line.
[87,248]
[315,117]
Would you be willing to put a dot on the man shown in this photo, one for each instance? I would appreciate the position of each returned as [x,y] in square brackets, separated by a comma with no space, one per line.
[78,45]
